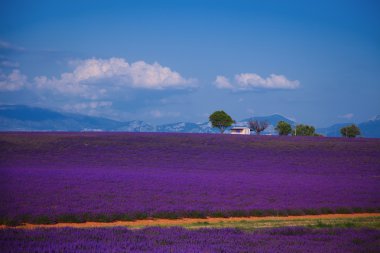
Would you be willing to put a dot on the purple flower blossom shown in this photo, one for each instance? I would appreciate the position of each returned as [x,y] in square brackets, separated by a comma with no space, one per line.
[52,177]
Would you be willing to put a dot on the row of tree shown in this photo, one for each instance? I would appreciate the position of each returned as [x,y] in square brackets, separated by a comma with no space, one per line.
[284,128]
[222,120]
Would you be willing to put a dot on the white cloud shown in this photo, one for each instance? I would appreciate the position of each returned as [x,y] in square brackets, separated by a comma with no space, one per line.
[64,85]
[155,76]
[347,116]
[250,81]
[222,82]
[12,82]
[116,72]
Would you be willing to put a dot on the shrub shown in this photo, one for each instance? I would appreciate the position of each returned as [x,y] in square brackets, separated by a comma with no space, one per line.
[295,212]
[141,216]
[326,210]
[166,215]
[321,224]
[357,210]
[126,217]
[270,212]
[102,218]
[257,213]
[311,211]
[219,214]
[370,210]
[282,213]
[12,222]
[116,216]
[195,214]
[43,219]
[238,213]
[343,210]
[70,218]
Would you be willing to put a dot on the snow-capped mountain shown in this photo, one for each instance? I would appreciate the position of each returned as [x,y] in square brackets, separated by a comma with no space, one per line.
[187,127]
[136,126]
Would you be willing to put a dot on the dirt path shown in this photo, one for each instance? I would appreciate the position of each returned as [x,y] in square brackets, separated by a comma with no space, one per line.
[190,221]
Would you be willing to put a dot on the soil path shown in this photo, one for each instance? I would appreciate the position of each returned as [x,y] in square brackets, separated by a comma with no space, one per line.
[189,221]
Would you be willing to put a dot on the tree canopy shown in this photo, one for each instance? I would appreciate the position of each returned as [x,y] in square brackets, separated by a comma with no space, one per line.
[221,120]
[350,131]
[304,130]
[283,128]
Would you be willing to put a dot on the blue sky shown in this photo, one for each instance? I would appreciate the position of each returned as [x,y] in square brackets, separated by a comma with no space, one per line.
[317,62]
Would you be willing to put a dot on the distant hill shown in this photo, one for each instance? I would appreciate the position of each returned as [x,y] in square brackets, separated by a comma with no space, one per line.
[369,129]
[332,131]
[26,118]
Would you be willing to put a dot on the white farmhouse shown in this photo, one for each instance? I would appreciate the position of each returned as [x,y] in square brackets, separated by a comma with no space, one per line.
[240,130]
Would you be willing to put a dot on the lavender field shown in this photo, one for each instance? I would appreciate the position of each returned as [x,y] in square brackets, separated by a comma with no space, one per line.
[296,239]
[75,177]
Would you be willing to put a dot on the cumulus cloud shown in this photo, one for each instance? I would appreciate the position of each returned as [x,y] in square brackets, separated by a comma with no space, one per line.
[347,116]
[12,82]
[115,72]
[250,81]
[222,82]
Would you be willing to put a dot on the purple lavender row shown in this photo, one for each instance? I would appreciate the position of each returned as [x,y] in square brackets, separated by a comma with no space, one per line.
[53,177]
[289,239]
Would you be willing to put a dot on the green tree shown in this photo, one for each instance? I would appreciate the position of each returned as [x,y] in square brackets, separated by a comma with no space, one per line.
[283,128]
[350,131]
[304,130]
[221,120]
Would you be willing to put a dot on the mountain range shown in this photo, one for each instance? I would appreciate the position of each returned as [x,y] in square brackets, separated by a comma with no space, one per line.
[26,118]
